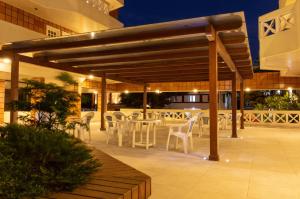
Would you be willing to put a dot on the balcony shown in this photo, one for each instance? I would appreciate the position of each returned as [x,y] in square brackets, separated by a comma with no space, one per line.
[279,40]
[77,15]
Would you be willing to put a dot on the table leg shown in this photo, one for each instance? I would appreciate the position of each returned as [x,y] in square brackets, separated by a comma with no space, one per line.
[133,136]
[154,134]
[141,132]
[147,137]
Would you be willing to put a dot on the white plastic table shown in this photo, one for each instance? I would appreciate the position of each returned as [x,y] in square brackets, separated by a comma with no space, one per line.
[150,126]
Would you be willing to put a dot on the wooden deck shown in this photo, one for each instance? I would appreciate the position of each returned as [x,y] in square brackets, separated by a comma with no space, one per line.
[114,180]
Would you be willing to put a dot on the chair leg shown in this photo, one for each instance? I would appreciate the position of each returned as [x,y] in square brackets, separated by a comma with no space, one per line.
[120,139]
[176,143]
[168,142]
[107,137]
[185,145]
[191,142]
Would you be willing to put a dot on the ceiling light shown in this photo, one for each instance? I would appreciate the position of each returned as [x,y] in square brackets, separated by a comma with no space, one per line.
[126,91]
[247,89]
[195,90]
[6,61]
[157,91]
[91,76]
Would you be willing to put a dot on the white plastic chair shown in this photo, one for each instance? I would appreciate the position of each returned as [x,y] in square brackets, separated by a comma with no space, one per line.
[112,128]
[135,115]
[180,134]
[119,115]
[85,124]
[200,123]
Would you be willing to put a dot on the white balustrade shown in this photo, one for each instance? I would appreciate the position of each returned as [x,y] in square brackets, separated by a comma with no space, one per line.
[252,117]
[101,5]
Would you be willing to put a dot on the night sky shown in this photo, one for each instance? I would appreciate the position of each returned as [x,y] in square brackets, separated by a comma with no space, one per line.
[138,12]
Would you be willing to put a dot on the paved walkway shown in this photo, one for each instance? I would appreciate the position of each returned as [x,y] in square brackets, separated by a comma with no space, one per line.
[264,163]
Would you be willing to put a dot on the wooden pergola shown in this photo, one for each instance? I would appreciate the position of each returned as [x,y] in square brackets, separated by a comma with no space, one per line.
[200,49]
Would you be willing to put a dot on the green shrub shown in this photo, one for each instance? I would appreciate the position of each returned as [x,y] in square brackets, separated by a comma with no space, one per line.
[35,162]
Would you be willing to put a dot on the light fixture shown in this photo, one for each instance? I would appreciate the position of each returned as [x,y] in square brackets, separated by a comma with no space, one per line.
[290,88]
[247,89]
[93,34]
[6,61]
[195,91]
[95,92]
[157,91]
[91,76]
[126,91]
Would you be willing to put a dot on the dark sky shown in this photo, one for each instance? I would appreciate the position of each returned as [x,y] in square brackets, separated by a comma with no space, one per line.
[138,12]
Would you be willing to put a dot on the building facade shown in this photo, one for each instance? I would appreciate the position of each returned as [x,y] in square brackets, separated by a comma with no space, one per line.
[279,36]
[34,19]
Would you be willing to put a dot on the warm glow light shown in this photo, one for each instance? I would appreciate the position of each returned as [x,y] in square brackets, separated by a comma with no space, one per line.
[126,91]
[247,89]
[195,90]
[290,88]
[91,76]
[81,79]
[93,34]
[227,160]
[95,92]
[157,91]
[205,158]
[6,61]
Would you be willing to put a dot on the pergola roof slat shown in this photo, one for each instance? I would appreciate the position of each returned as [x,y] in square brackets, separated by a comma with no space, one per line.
[176,50]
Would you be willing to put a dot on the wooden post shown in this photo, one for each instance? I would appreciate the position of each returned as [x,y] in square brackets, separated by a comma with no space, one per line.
[14,95]
[145,102]
[234,106]
[103,101]
[242,101]
[213,101]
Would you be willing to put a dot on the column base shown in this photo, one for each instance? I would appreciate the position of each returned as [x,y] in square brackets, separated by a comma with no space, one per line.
[214,158]
[102,129]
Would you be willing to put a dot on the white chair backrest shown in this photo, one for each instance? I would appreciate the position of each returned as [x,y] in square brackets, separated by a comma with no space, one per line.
[88,117]
[135,115]
[190,124]
[119,115]
[110,119]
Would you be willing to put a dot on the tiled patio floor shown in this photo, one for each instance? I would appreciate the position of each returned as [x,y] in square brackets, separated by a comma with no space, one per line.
[263,164]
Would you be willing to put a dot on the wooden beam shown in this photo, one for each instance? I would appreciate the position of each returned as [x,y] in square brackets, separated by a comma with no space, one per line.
[14,95]
[224,54]
[213,101]
[47,64]
[169,44]
[103,101]
[234,105]
[145,102]
[242,101]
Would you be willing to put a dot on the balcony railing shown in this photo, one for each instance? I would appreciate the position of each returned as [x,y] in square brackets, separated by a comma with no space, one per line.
[278,21]
[100,5]
[251,117]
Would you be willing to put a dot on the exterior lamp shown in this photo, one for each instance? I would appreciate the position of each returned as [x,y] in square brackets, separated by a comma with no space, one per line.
[6,61]
[195,91]
[91,76]
[126,91]
[157,91]
[247,89]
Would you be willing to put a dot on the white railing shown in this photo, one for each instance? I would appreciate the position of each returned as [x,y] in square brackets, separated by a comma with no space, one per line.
[101,5]
[273,118]
[252,117]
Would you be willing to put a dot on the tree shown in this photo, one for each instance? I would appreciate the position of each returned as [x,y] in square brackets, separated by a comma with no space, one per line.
[49,104]
[280,102]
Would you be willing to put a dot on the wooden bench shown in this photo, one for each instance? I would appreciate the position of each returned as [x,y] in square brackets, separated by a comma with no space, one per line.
[114,180]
